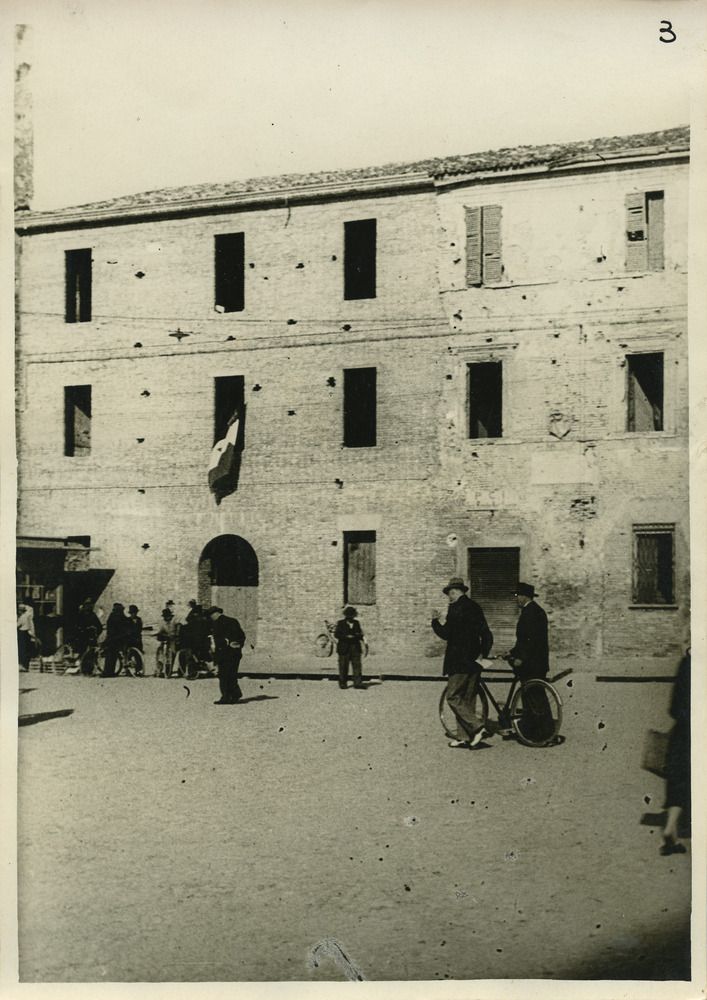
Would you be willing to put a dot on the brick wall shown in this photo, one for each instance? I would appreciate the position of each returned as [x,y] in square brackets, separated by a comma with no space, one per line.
[561,327]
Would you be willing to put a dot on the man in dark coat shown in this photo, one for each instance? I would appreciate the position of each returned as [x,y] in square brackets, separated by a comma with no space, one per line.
[468,637]
[229,638]
[530,655]
[349,637]
[118,634]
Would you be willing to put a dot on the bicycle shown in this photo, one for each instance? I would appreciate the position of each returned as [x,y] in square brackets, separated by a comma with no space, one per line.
[325,642]
[164,662]
[190,663]
[519,712]
[92,663]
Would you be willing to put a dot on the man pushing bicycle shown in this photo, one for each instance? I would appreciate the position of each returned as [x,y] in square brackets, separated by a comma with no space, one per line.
[468,637]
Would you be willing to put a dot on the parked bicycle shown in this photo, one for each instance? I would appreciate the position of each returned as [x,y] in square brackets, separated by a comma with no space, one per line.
[325,643]
[164,657]
[128,660]
[534,726]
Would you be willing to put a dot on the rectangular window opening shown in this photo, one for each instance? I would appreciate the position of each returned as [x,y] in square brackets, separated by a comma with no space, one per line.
[229,269]
[78,265]
[493,575]
[229,406]
[653,564]
[77,420]
[485,399]
[359,407]
[360,259]
[360,567]
[645,392]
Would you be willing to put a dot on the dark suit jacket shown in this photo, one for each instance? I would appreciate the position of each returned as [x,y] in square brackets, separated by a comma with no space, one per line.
[348,638]
[226,630]
[531,642]
[467,634]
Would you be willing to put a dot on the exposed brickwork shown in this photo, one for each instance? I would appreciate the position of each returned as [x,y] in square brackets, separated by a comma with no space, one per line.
[561,323]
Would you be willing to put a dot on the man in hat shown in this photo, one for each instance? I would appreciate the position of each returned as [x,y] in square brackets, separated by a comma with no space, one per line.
[229,638]
[530,655]
[468,637]
[349,637]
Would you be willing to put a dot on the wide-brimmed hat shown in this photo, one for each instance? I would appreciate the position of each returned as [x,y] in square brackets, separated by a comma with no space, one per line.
[350,612]
[213,610]
[456,583]
[524,590]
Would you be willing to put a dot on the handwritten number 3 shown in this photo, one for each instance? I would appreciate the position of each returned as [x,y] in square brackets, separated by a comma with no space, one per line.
[667,30]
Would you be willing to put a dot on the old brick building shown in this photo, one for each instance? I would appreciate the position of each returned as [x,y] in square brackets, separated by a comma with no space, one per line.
[474,365]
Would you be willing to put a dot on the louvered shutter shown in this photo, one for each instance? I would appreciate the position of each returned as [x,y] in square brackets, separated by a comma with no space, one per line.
[491,239]
[655,217]
[473,246]
[493,575]
[636,242]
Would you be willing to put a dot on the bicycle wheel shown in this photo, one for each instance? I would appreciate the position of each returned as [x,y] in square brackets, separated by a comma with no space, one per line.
[160,659]
[449,721]
[168,663]
[88,664]
[323,646]
[364,649]
[134,663]
[187,664]
[536,713]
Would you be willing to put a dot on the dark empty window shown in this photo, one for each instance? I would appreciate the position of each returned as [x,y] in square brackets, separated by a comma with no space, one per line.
[645,392]
[229,262]
[359,567]
[78,285]
[77,420]
[228,405]
[653,564]
[360,259]
[359,407]
[483,245]
[644,231]
[485,400]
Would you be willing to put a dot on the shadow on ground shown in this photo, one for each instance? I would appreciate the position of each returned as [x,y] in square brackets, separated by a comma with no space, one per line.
[29,720]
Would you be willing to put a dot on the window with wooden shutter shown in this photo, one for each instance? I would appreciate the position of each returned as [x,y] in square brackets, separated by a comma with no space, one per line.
[653,564]
[645,392]
[654,221]
[485,399]
[77,420]
[360,567]
[483,245]
[78,282]
[644,231]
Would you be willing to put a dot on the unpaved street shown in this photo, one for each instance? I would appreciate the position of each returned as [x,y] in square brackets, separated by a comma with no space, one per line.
[163,838]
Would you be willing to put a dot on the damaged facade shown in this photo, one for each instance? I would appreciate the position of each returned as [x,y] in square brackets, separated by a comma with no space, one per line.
[474,365]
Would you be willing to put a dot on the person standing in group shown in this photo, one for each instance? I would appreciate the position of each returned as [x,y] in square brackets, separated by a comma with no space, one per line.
[677,764]
[118,634]
[349,639]
[135,627]
[168,633]
[84,628]
[467,636]
[530,655]
[25,635]
[228,642]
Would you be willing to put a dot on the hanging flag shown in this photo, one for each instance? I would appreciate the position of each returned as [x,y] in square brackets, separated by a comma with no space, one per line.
[225,462]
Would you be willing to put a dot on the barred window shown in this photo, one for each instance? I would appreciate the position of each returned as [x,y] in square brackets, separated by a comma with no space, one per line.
[654,564]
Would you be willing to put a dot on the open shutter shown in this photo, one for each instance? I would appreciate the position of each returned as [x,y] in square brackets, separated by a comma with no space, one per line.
[491,230]
[473,246]
[636,242]
[654,220]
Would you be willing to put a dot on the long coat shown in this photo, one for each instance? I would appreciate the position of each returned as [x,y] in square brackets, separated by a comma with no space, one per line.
[531,642]
[226,630]
[348,634]
[467,635]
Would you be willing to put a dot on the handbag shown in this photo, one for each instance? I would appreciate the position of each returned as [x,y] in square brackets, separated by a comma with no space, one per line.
[655,752]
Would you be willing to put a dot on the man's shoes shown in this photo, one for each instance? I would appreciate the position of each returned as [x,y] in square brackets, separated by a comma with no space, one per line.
[671,847]
[223,701]
[458,743]
[477,738]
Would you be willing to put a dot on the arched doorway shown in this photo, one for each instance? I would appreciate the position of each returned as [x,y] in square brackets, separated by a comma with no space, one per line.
[228,577]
